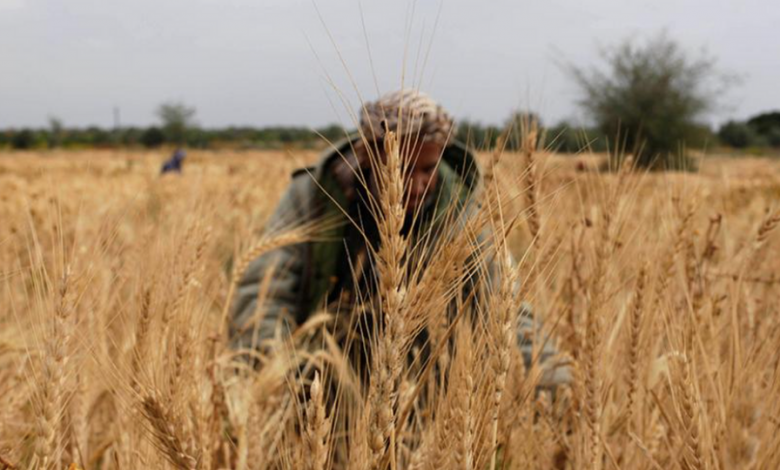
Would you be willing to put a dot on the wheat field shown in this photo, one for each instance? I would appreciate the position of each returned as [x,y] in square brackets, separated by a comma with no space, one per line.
[659,289]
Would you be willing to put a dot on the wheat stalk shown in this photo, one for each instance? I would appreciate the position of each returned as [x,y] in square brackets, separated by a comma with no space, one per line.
[674,332]
[635,340]
[317,428]
[168,435]
[54,375]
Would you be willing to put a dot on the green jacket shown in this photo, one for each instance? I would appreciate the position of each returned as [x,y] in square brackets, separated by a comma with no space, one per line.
[304,273]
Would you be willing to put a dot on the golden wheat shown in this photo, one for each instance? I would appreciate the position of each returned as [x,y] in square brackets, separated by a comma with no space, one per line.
[660,288]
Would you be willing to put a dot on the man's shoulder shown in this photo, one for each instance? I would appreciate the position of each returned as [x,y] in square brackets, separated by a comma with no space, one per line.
[462,161]
[304,171]
[317,188]
[334,151]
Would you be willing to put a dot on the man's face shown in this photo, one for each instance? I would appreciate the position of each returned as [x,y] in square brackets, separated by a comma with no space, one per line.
[421,173]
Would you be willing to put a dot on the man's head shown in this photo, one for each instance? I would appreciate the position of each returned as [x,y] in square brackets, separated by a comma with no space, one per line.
[424,129]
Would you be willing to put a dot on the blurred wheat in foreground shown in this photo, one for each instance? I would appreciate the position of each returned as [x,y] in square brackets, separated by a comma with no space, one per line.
[660,289]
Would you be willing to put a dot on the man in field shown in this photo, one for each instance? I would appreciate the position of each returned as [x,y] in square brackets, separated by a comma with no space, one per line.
[173,164]
[442,176]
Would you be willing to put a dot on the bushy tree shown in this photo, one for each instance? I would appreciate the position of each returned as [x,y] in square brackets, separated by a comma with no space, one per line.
[767,125]
[56,131]
[738,135]
[650,98]
[762,130]
[764,123]
[177,119]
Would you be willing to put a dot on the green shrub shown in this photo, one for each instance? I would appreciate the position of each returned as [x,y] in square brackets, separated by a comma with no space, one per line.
[737,135]
[23,140]
[153,137]
[650,100]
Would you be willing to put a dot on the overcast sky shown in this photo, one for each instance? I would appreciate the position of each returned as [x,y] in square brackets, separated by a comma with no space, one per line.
[263,62]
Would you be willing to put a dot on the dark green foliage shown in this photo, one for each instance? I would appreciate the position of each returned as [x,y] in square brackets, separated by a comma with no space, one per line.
[97,137]
[773,137]
[562,137]
[738,135]
[650,99]
[765,123]
[478,136]
[565,138]
[23,140]
[129,136]
[267,137]
[332,133]
[762,130]
[152,137]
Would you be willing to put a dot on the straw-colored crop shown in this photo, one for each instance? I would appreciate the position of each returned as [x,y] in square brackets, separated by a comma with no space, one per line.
[660,291]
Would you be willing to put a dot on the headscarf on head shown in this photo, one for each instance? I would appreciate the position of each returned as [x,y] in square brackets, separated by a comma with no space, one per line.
[406,112]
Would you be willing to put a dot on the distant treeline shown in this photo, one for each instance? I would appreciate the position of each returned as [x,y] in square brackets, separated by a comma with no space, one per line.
[563,138]
[754,135]
[758,132]
[154,136]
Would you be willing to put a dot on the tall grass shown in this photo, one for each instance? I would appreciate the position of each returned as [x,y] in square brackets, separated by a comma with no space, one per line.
[659,289]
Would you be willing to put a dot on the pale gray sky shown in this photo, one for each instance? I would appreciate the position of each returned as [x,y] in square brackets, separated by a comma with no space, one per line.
[263,62]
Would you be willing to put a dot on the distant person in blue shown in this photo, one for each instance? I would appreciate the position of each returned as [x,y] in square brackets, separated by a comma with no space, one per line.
[173,164]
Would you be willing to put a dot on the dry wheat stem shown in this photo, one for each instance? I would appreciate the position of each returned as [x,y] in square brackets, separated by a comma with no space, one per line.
[673,332]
